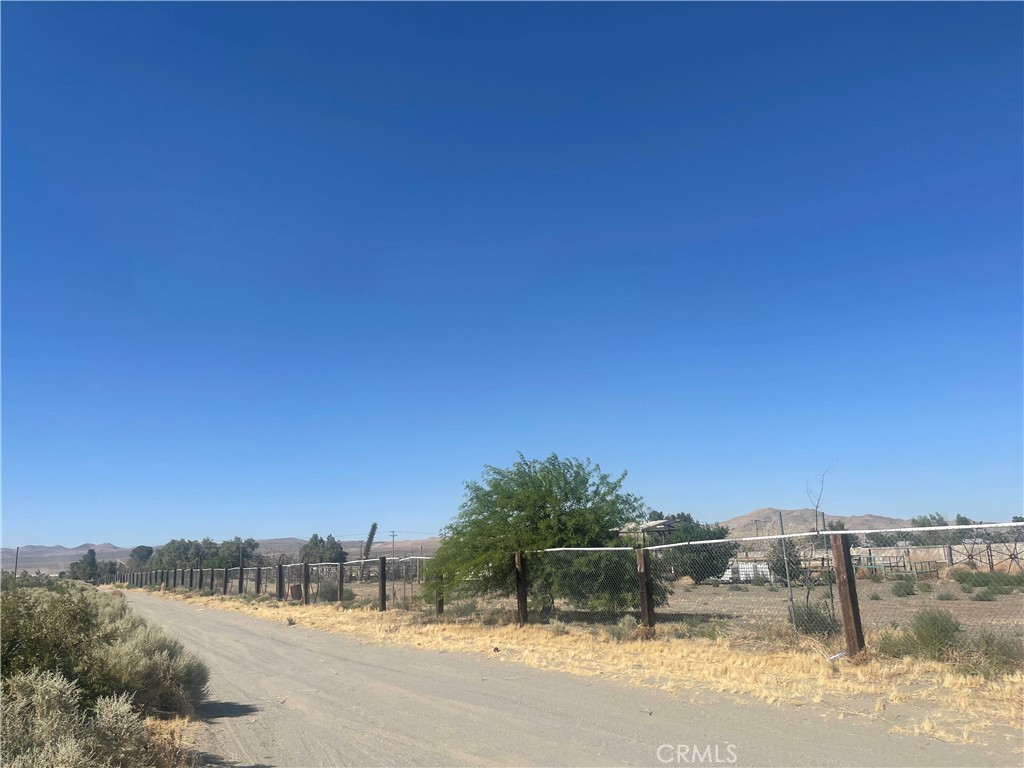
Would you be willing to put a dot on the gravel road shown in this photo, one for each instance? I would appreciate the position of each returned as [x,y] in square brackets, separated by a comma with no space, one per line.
[287,696]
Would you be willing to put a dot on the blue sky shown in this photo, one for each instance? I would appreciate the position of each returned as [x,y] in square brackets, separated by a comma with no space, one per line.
[275,269]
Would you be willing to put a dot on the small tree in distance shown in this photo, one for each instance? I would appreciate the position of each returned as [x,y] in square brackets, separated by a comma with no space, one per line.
[320,550]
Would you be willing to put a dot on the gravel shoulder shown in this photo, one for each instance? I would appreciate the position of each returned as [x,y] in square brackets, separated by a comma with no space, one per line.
[287,696]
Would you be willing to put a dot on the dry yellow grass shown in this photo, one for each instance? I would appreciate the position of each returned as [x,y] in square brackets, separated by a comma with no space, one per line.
[914,696]
[172,742]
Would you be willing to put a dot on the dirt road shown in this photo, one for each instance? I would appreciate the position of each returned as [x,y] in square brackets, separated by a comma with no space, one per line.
[286,696]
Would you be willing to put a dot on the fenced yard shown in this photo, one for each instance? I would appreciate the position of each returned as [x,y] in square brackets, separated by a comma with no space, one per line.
[694,587]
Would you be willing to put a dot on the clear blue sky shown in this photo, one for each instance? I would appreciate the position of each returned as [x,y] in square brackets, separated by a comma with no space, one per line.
[273,269]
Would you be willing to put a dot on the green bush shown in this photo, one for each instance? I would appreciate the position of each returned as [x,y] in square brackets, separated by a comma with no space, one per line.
[874,596]
[903,588]
[945,596]
[94,640]
[931,635]
[624,630]
[738,588]
[966,588]
[815,619]
[984,596]
[989,579]
[876,577]
[758,581]
[989,655]
[924,586]
[46,723]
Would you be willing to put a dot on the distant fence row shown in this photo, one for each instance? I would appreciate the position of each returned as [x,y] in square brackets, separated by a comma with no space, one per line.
[814,582]
[351,581]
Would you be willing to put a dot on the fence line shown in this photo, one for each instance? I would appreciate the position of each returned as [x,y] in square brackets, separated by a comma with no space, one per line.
[692,587]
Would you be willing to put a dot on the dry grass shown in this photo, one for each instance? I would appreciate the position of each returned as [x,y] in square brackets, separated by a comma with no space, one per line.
[172,742]
[914,696]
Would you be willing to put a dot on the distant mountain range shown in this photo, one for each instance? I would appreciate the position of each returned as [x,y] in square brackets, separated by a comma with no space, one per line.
[766,521]
[55,559]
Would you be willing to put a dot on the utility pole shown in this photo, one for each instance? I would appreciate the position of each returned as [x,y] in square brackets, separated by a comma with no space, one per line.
[392,544]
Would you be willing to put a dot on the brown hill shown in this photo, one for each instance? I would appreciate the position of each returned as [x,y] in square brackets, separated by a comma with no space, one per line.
[766,521]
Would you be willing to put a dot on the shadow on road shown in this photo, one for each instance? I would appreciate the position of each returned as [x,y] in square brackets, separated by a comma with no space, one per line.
[216,761]
[216,710]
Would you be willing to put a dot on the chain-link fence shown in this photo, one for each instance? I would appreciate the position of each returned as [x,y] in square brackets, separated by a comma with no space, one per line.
[975,573]
[583,585]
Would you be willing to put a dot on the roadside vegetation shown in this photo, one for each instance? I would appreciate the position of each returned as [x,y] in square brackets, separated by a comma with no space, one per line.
[86,682]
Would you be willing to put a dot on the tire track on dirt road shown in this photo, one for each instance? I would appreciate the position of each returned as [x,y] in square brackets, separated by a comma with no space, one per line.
[287,696]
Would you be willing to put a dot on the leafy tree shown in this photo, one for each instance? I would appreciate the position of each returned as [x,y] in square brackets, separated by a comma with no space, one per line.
[784,558]
[1017,519]
[698,563]
[140,556]
[86,568]
[320,550]
[530,506]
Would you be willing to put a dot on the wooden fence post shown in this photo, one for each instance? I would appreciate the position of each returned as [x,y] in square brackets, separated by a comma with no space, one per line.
[643,571]
[259,579]
[847,585]
[522,590]
[305,583]
[382,585]
[226,569]
[341,584]
[280,581]
[241,580]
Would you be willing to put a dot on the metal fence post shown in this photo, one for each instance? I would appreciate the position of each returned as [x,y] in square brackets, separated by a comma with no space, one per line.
[382,584]
[280,581]
[341,584]
[305,583]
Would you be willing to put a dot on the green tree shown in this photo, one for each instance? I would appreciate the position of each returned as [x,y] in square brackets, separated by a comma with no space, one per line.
[140,556]
[86,568]
[321,550]
[1017,519]
[701,562]
[530,506]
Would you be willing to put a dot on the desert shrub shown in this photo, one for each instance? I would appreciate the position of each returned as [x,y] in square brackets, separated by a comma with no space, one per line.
[164,676]
[758,581]
[623,630]
[932,634]
[989,654]
[903,588]
[738,588]
[46,723]
[985,595]
[711,582]
[874,596]
[462,608]
[924,586]
[988,579]
[94,640]
[945,596]
[815,618]
[876,577]
[966,588]
[557,627]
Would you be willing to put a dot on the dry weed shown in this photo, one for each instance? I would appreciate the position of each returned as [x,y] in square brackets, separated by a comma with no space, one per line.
[764,663]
